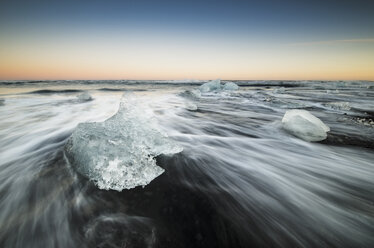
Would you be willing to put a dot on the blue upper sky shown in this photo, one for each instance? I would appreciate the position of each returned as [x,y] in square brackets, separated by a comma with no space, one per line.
[324,18]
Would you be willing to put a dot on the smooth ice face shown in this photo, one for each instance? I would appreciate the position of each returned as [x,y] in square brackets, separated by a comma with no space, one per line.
[214,85]
[120,152]
[304,125]
[230,86]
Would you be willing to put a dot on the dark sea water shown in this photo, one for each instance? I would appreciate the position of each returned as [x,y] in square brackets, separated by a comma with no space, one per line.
[240,181]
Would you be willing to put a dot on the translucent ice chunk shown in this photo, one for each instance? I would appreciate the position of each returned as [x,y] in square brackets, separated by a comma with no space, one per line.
[214,85]
[230,86]
[191,106]
[85,97]
[120,152]
[304,125]
[280,90]
[191,93]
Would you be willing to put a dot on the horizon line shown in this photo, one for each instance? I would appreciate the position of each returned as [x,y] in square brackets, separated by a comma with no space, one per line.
[369,80]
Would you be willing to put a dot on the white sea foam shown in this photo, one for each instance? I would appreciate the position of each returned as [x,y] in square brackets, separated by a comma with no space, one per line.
[232,145]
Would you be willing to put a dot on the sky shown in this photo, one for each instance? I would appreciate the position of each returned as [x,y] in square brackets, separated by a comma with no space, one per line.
[150,39]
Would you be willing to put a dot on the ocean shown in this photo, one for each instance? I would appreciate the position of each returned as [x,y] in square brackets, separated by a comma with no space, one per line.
[187,168]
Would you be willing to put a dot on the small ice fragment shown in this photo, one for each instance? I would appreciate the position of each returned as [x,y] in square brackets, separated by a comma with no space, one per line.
[191,93]
[230,86]
[85,97]
[304,125]
[214,85]
[280,90]
[339,105]
[191,106]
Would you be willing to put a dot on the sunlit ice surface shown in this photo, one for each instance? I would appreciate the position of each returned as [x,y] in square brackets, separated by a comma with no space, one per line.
[240,179]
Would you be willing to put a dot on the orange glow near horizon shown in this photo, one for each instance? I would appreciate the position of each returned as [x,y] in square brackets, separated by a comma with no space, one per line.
[167,60]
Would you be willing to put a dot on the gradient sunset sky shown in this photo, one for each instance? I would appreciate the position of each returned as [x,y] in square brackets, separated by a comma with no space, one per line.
[150,39]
